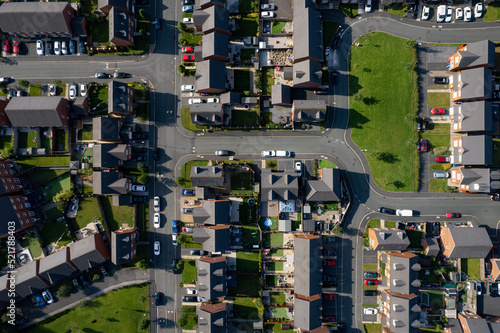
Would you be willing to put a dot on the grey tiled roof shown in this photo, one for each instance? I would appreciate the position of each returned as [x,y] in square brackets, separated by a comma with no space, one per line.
[469,242]
[213,238]
[307,72]
[212,318]
[211,281]
[404,270]
[480,180]
[279,185]
[206,113]
[118,97]
[212,212]
[476,83]
[391,239]
[478,150]
[27,282]
[108,183]
[478,54]
[281,94]
[211,18]
[477,116]
[210,74]
[56,267]
[215,44]
[89,252]
[35,111]
[307,313]
[307,256]
[105,129]
[325,189]
[121,246]
[404,313]
[207,176]
[307,31]
[109,155]
[119,25]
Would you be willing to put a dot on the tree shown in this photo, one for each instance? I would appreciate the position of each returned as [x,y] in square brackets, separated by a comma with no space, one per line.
[143,324]
[337,230]
[143,178]
[142,265]
[181,181]
[141,167]
[24,83]
[64,291]
[181,69]
[182,26]
[181,239]
[62,197]
[7,152]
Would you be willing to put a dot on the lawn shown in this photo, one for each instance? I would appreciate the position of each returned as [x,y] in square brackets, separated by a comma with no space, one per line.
[85,133]
[33,244]
[370,267]
[189,243]
[277,297]
[275,266]
[250,234]
[246,27]
[189,271]
[39,176]
[471,267]
[53,213]
[57,185]
[100,32]
[396,9]
[435,298]
[247,54]
[34,90]
[248,262]
[51,233]
[349,10]
[242,183]
[186,171]
[390,224]
[272,239]
[29,162]
[241,80]
[242,117]
[117,216]
[5,140]
[438,135]
[329,30]
[273,227]
[27,140]
[277,27]
[373,223]
[415,238]
[276,328]
[247,213]
[276,253]
[492,12]
[267,80]
[438,99]
[326,164]
[188,317]
[372,328]
[191,40]
[88,209]
[248,308]
[249,285]
[119,310]
[437,185]
[186,121]
[382,97]
[271,280]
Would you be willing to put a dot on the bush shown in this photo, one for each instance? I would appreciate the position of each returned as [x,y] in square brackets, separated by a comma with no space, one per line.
[143,178]
[142,265]
[143,324]
[24,83]
[182,26]
[64,291]
[181,69]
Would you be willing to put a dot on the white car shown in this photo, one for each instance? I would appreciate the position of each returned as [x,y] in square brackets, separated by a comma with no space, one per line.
[174,240]
[368,6]
[156,221]
[156,202]
[370,311]
[449,15]
[268,153]
[52,89]
[191,291]
[441,13]
[64,47]
[157,248]
[467,14]
[83,90]
[194,101]
[478,10]
[39,47]
[57,47]
[298,168]
[425,13]
[138,188]
[187,88]
[187,20]
[72,92]
[267,14]
[47,296]
[268,6]
[459,14]
[213,100]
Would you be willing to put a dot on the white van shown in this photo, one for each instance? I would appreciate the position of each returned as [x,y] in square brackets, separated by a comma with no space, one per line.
[283,153]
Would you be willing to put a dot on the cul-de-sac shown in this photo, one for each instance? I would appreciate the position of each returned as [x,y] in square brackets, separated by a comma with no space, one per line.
[250,166]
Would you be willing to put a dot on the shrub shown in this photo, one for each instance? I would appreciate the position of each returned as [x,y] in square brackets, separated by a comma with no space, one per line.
[143,324]
[64,291]
[182,26]
[24,83]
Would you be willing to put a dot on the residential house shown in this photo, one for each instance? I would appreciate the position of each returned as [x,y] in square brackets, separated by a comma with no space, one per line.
[207,114]
[212,318]
[210,77]
[212,19]
[81,106]
[431,246]
[57,266]
[475,180]
[9,175]
[308,111]
[212,212]
[307,257]
[472,150]
[495,269]
[106,5]
[89,252]
[204,4]
[307,74]
[37,19]
[473,55]
[401,272]
[326,187]
[388,239]
[453,326]
[472,117]
[106,129]
[215,47]
[211,283]
[281,186]
[120,99]
[214,238]
[400,312]
[4,119]
[472,323]
[230,98]
[5,286]
[124,245]
[38,111]
[110,183]
[464,242]
[471,85]
[121,27]
[307,312]
[212,176]
[307,32]
[281,94]
[28,280]
[111,156]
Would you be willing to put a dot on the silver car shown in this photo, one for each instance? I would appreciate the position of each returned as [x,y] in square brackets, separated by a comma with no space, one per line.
[441,175]
[221,152]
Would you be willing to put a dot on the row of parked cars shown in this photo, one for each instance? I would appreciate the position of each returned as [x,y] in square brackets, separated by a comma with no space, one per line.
[15,49]
[59,47]
[445,13]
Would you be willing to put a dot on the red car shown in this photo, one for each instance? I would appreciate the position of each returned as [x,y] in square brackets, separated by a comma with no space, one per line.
[494,251]
[443,159]
[329,297]
[187,49]
[371,282]
[17,47]
[422,145]
[437,111]
[453,215]
[328,262]
[328,319]
[188,58]
[6,46]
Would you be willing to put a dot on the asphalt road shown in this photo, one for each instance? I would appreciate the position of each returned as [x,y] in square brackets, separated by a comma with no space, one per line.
[177,145]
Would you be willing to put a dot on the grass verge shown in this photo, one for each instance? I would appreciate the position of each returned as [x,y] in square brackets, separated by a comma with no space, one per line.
[438,99]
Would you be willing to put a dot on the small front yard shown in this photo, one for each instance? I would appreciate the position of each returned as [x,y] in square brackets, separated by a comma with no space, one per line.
[189,271]
[372,328]
[242,183]
[186,171]
[30,242]
[438,99]
[278,27]
[272,239]
[57,185]
[191,39]
[34,90]
[438,185]
[349,10]
[492,12]
[55,232]
[471,267]
[85,133]
[276,328]
[188,317]
[438,135]
[186,241]
[248,308]
[248,262]
[415,238]
[100,32]
[242,117]
[326,164]
[246,27]
[241,80]
[275,266]
[88,210]
[373,223]
[117,216]
[98,102]
[186,121]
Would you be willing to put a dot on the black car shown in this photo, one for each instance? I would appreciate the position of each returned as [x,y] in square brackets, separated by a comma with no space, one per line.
[388,211]
[195,252]
[494,289]
[329,253]
[371,292]
[336,41]
[333,77]
[175,270]
[188,2]
[101,75]
[139,136]
[120,75]
[139,158]
[441,80]
[329,278]
[370,275]
[82,47]
[158,298]
[156,154]
[139,199]
[83,281]
[77,284]
[140,150]
[189,299]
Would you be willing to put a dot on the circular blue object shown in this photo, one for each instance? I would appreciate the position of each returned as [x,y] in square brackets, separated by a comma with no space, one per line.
[268,222]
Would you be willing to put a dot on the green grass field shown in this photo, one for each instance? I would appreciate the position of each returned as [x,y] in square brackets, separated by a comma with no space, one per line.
[492,12]
[117,216]
[88,209]
[248,308]
[372,328]
[438,99]
[119,310]
[272,239]
[326,164]
[247,262]
[471,267]
[437,185]
[189,272]
[27,140]
[267,80]
[33,244]
[51,232]
[438,135]
[85,133]
[373,223]
[57,185]
[382,99]
[241,80]
[277,27]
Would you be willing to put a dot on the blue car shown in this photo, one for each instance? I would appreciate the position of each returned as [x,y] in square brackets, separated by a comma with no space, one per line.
[82,47]
[157,23]
[72,47]
[174,227]
[39,300]
[187,192]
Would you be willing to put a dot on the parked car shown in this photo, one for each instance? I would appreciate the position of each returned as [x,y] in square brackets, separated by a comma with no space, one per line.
[268,153]
[6,46]
[158,298]
[368,6]
[83,280]
[425,123]
[495,197]
[459,13]
[187,192]
[48,47]
[187,58]
[441,175]
[371,292]
[77,284]
[327,239]
[453,215]
[370,311]
[156,203]
[191,291]
[73,92]
[333,77]
[267,6]
[443,159]
[388,211]
[449,15]
[222,152]
[478,10]
[187,49]
[425,13]
[371,282]
[39,47]
[64,47]
[175,270]
[420,125]
[321,91]
[83,90]
[267,14]
[187,229]
[328,278]
[370,275]
[423,145]
[187,9]
[72,46]
[52,89]
[479,288]
[329,262]
[437,111]
[83,50]
[101,75]
[156,220]
[187,88]
[189,299]
[441,80]
[174,240]
[194,252]
[195,101]
[17,47]
[329,319]
[494,290]
[188,2]
[187,211]
[138,188]
[174,226]
[298,168]
[467,14]
[157,248]
[157,23]
[329,253]
[213,100]
[120,75]
[329,297]
[441,13]
[187,20]
[47,296]
[38,301]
